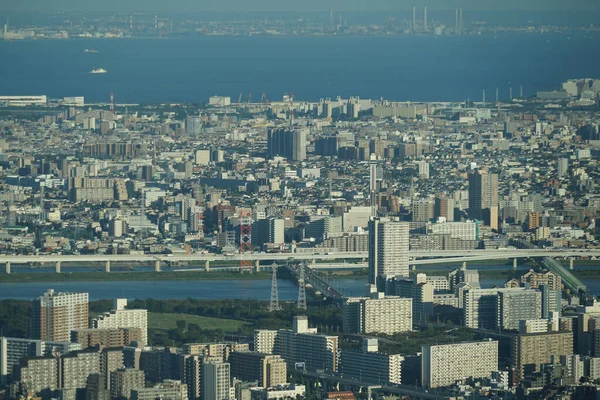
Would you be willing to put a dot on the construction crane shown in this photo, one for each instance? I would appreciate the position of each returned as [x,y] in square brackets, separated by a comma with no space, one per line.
[240,98]
[249,97]
[264,98]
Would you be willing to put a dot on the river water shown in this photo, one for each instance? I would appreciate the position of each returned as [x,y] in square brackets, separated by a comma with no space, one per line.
[209,289]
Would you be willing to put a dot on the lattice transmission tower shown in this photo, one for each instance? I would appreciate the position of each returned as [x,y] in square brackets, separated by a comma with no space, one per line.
[274,304]
[301,287]
[245,215]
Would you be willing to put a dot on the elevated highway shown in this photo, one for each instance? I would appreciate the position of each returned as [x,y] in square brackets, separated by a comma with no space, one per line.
[418,257]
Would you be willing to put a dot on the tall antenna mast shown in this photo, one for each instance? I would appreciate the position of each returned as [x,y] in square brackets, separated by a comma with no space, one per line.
[112,102]
[301,287]
[274,304]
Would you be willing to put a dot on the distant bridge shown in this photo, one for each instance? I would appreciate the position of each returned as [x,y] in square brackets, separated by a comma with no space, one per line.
[418,257]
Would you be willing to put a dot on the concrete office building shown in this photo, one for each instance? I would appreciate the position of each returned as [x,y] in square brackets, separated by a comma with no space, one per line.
[216,381]
[388,250]
[563,167]
[193,125]
[483,198]
[13,350]
[287,143]
[514,305]
[536,349]
[54,315]
[120,317]
[370,366]
[267,369]
[378,314]
[169,389]
[443,365]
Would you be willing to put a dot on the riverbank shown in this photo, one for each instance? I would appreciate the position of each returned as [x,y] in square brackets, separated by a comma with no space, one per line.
[130,276]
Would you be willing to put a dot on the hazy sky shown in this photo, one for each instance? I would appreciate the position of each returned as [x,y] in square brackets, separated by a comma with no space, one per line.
[289,5]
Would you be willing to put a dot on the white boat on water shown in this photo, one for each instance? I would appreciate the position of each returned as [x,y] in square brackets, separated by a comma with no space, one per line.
[98,71]
[90,51]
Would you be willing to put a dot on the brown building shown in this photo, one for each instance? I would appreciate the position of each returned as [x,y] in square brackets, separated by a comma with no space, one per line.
[529,351]
[55,315]
[268,370]
[109,337]
[535,279]
[533,220]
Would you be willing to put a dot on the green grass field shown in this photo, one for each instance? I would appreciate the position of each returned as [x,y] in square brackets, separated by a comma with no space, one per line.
[166,321]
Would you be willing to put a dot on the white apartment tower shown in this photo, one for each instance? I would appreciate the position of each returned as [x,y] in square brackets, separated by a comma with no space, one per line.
[120,317]
[388,250]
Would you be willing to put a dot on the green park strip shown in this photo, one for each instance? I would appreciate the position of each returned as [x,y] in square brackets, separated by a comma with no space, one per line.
[168,321]
[128,276]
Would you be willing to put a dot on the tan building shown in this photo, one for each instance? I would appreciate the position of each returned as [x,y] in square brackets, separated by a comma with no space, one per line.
[380,314]
[268,370]
[535,279]
[109,337]
[218,350]
[538,348]
[55,315]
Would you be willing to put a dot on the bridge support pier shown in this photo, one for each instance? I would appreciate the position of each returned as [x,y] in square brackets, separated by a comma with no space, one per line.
[57,267]
[412,267]
[207,265]
[464,266]
[107,266]
[157,266]
[257,265]
[515,262]
[7,267]
[571,263]
[313,262]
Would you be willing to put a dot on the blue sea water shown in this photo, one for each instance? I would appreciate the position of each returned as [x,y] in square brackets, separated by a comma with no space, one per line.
[419,68]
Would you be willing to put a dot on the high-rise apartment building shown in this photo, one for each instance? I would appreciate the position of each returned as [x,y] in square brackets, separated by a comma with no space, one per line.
[483,198]
[444,208]
[55,315]
[216,381]
[77,366]
[13,350]
[288,143]
[120,317]
[514,305]
[535,349]
[269,370]
[379,314]
[371,366]
[300,344]
[388,250]
[264,340]
[39,373]
[124,380]
[443,365]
